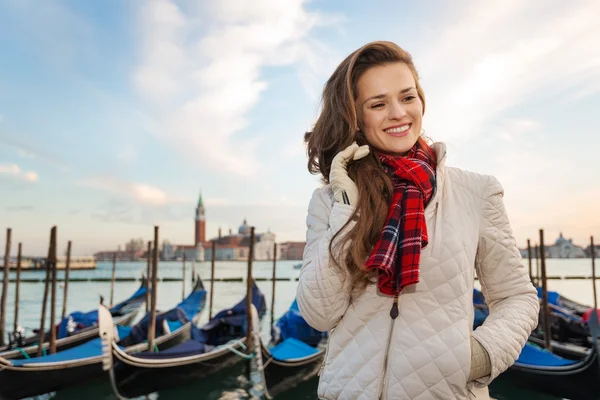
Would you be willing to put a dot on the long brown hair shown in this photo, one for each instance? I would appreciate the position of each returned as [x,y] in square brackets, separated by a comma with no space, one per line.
[335,129]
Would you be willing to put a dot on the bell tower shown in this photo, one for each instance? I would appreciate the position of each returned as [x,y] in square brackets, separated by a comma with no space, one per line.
[200,231]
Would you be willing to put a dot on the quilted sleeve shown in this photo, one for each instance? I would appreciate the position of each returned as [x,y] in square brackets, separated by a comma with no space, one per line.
[505,283]
[323,293]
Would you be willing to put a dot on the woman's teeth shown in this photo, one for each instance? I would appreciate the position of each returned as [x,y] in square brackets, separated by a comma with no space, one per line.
[398,130]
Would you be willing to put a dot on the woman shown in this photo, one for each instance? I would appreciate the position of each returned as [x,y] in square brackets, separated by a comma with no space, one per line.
[392,240]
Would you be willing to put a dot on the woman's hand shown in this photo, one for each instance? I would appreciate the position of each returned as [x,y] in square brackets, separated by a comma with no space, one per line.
[344,189]
[480,361]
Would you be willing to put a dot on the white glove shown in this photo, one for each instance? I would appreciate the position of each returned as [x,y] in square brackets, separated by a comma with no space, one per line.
[344,189]
[480,361]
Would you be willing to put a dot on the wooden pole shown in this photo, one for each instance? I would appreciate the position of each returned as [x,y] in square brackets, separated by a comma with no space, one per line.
[274,280]
[194,266]
[249,293]
[183,279]
[152,329]
[148,275]
[44,303]
[213,257]
[537,265]
[5,286]
[17,288]
[545,308]
[594,272]
[66,291]
[53,296]
[529,260]
[112,279]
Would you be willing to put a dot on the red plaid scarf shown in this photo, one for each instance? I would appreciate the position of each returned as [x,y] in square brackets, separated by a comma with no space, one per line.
[397,253]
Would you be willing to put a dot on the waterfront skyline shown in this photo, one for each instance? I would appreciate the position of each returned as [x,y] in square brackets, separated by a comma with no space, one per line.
[114,116]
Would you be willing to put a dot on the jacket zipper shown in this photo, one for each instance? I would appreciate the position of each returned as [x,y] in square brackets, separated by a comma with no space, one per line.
[393,315]
[326,353]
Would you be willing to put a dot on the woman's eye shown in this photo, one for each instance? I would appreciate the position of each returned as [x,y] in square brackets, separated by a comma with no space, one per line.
[378,105]
[409,98]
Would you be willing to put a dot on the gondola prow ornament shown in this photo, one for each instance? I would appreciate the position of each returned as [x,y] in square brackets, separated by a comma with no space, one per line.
[106,335]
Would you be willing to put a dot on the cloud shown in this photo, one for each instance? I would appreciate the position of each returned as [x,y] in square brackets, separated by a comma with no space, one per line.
[140,193]
[13,170]
[149,194]
[495,57]
[203,75]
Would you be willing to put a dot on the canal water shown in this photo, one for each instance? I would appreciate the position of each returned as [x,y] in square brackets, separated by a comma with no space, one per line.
[85,296]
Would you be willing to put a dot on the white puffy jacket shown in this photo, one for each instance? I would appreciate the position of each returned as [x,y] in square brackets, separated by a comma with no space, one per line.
[425,352]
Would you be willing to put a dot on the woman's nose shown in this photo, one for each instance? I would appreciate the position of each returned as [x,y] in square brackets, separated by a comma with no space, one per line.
[397,110]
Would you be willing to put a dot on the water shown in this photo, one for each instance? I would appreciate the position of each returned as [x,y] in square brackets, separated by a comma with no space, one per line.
[85,296]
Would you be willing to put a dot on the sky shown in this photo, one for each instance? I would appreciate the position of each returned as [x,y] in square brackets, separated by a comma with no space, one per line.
[115,116]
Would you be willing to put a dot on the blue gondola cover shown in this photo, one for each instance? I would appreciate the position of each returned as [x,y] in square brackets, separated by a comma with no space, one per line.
[293,325]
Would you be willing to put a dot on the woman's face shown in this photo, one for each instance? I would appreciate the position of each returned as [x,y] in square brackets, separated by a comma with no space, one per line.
[389,110]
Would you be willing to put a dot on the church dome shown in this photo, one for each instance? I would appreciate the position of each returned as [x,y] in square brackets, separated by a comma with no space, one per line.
[244,228]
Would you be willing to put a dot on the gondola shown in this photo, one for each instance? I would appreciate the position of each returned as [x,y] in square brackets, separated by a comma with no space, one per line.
[35,376]
[542,371]
[295,354]
[568,319]
[78,328]
[218,344]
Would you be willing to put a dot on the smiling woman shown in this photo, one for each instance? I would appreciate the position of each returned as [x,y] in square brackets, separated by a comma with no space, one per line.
[392,239]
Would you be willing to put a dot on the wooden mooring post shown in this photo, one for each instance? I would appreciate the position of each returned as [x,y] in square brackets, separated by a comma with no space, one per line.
[5,287]
[274,283]
[18,287]
[194,266]
[148,275]
[594,271]
[529,260]
[112,279]
[66,288]
[545,307]
[213,257]
[249,341]
[183,279]
[52,260]
[42,332]
[152,328]
[537,265]
[249,293]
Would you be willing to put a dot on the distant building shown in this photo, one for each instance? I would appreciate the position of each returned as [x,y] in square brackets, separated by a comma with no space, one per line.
[122,255]
[135,245]
[236,246]
[562,248]
[291,250]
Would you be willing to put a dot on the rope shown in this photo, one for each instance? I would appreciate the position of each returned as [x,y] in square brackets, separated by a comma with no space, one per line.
[239,353]
[23,352]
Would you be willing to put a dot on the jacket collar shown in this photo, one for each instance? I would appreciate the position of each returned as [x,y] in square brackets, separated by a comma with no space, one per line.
[440,152]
